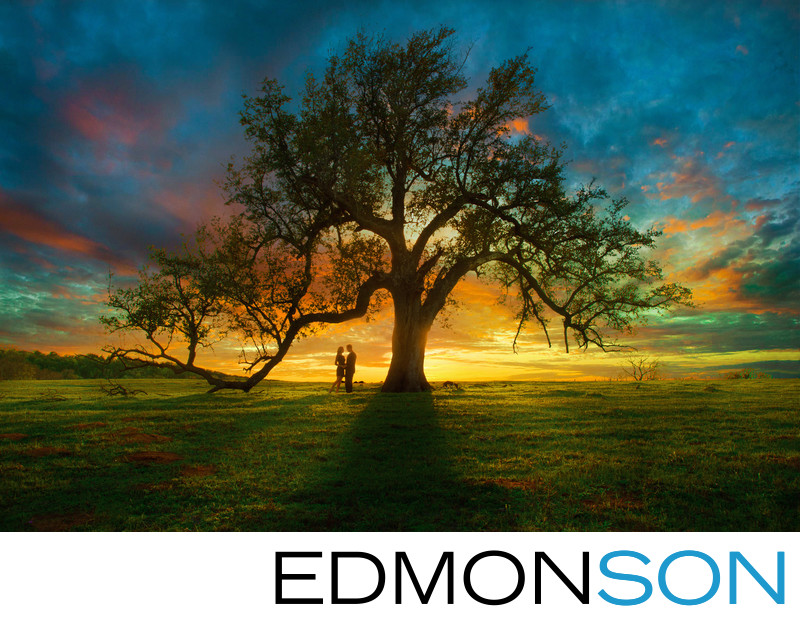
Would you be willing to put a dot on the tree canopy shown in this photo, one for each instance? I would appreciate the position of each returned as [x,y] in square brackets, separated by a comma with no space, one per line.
[382,184]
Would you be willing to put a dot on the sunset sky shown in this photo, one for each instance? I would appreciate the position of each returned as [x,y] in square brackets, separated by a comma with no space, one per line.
[116,119]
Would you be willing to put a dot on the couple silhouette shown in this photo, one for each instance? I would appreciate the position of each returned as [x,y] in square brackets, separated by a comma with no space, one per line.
[345,368]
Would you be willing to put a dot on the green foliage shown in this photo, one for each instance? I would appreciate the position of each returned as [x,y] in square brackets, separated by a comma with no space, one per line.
[22,365]
[746,374]
[667,456]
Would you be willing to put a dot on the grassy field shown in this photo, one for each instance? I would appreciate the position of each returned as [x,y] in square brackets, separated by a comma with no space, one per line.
[667,456]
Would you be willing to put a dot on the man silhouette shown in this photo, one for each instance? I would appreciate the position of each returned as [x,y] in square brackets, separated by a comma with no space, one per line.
[349,369]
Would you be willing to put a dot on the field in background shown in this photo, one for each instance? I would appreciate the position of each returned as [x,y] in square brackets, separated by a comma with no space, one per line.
[667,456]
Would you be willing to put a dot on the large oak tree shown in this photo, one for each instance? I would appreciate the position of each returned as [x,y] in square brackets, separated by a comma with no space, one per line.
[381,183]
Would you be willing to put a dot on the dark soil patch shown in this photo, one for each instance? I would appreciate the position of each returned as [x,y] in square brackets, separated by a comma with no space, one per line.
[134,419]
[198,471]
[131,435]
[146,438]
[151,457]
[781,438]
[530,485]
[146,419]
[613,502]
[13,436]
[45,451]
[791,462]
[153,487]
[710,388]
[60,522]
[89,425]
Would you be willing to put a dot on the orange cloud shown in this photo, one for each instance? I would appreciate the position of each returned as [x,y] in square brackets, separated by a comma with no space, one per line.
[715,219]
[761,204]
[194,204]
[476,292]
[113,121]
[101,120]
[722,290]
[726,147]
[674,225]
[691,181]
[35,229]
[519,125]
[762,220]
[742,49]
[659,142]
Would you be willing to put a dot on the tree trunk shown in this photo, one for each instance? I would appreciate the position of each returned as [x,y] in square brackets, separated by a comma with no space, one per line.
[410,335]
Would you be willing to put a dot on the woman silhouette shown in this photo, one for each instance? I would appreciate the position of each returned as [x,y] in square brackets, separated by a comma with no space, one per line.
[339,361]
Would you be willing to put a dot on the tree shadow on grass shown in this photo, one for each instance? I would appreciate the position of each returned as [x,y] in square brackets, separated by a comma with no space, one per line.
[394,474]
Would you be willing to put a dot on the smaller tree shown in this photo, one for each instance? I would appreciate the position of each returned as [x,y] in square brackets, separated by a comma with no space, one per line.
[641,368]
[228,282]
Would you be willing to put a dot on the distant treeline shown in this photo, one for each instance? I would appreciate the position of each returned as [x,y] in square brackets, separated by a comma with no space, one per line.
[22,365]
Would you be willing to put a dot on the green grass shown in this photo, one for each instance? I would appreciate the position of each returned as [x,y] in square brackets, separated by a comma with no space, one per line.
[667,456]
